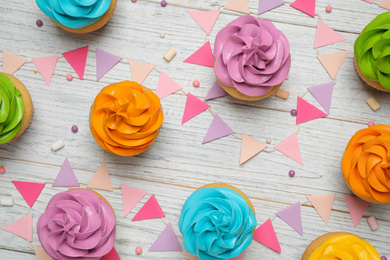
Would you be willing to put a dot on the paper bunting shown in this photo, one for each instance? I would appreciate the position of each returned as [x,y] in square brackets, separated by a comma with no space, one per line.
[322,204]
[46,66]
[139,70]
[194,106]
[326,35]
[205,19]
[66,177]
[104,62]
[249,147]
[323,94]
[216,91]
[266,235]
[356,207]
[21,227]
[369,1]
[101,179]
[112,255]
[12,62]
[306,6]
[40,253]
[218,128]
[203,56]
[29,190]
[130,198]
[238,6]
[290,148]
[333,62]
[166,86]
[167,241]
[151,209]
[385,4]
[266,5]
[292,216]
[307,112]
[77,59]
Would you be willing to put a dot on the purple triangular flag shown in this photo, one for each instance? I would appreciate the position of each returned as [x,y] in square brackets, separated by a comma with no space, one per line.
[323,94]
[292,216]
[167,241]
[216,91]
[104,62]
[66,177]
[217,129]
[266,5]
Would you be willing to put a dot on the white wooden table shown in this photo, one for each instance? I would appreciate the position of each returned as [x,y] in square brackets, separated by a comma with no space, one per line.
[178,162]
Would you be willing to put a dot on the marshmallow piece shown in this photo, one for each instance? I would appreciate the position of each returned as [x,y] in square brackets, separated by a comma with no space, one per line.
[7,201]
[373,103]
[168,56]
[372,223]
[282,94]
[57,145]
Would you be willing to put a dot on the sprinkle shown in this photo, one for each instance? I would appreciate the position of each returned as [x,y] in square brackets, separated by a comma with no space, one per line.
[163,3]
[162,35]
[370,123]
[39,23]
[133,1]
[57,145]
[138,250]
[7,201]
[69,77]
[268,141]
[2,170]
[328,9]
[282,94]
[196,83]
[168,56]
[372,223]
[291,173]
[384,258]
[293,112]
[373,103]
[75,129]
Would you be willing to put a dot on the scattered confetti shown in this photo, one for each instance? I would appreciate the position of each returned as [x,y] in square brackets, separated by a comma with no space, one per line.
[57,145]
[168,56]
[7,201]
[39,23]
[2,170]
[384,258]
[372,223]
[196,83]
[138,250]
[373,103]
[69,77]
[268,141]
[75,129]
[291,173]
[133,1]
[163,3]
[370,123]
[293,112]
[162,35]
[328,9]
[282,94]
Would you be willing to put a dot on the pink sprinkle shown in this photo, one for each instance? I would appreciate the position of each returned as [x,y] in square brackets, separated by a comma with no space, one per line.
[2,170]
[372,223]
[370,123]
[163,3]
[328,9]
[133,1]
[196,83]
[39,23]
[69,77]
[138,250]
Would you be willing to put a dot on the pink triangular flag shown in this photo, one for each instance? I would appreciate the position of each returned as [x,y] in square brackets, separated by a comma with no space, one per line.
[333,62]
[112,255]
[266,5]
[21,227]
[306,6]
[166,241]
[323,94]
[77,59]
[29,190]
[101,179]
[307,112]
[205,19]
[194,106]
[290,148]
[238,6]
[250,147]
[218,128]
[139,70]
[323,205]
[216,91]
[292,216]
[356,207]
[151,209]
[369,1]
[41,254]
[203,56]
[12,62]
[66,177]
[104,62]
[130,198]
[326,35]
[166,86]
[266,235]
[45,66]
[385,4]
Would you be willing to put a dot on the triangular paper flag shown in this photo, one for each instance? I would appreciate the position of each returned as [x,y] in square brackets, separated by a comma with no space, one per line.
[45,66]
[66,177]
[238,6]
[216,91]
[250,147]
[151,209]
[21,227]
[130,198]
[112,255]
[139,70]
[166,241]
[218,128]
[323,94]
[326,35]
[292,216]
[306,6]
[40,253]
[385,4]
[323,204]
[369,1]
[77,59]
[104,62]
[266,5]
[332,62]
[356,207]
[307,112]
[29,190]
[205,19]
[194,106]
[266,235]
[203,56]
[166,86]
[101,179]
[12,62]
[290,148]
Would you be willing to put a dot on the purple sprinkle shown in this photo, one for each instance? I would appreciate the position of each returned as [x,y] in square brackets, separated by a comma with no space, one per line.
[291,173]
[75,129]
[39,23]
[293,112]
[163,3]
[384,258]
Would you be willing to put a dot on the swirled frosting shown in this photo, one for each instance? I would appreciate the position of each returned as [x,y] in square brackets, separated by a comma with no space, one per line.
[366,163]
[77,224]
[11,109]
[216,223]
[74,13]
[126,118]
[372,50]
[345,247]
[251,55]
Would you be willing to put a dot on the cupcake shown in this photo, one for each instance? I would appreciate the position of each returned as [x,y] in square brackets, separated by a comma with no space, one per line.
[78,16]
[340,245]
[77,224]
[251,58]
[371,53]
[16,108]
[125,118]
[217,222]
[366,164]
